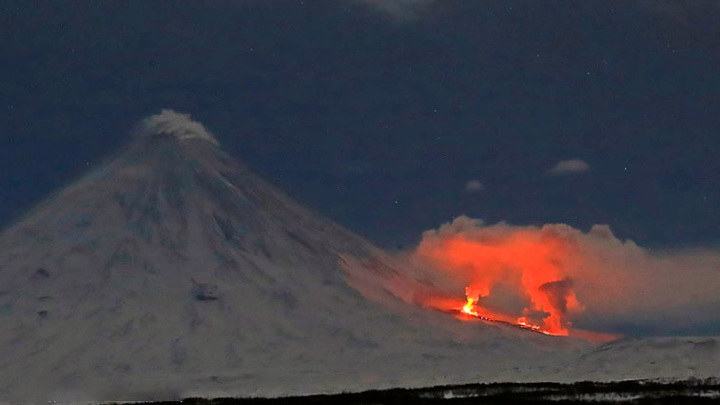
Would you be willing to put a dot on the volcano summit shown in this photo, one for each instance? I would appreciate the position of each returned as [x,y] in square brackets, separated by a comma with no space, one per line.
[175,271]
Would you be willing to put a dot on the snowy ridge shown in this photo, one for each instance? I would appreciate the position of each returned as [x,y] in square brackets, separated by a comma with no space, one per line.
[669,358]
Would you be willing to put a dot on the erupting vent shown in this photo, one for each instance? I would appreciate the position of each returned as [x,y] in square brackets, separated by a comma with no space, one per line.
[470,309]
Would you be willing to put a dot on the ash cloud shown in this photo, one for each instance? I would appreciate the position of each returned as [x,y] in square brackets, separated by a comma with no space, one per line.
[558,294]
[178,125]
[596,281]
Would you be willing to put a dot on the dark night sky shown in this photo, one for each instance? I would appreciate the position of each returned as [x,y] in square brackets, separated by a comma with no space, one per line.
[378,120]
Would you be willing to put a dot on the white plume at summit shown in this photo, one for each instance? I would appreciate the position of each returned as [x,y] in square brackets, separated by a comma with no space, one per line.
[172,123]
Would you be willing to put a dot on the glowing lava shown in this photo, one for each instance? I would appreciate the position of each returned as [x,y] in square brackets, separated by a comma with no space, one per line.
[469,308]
[524,324]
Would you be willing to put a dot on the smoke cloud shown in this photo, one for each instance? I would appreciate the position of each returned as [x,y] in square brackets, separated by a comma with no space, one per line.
[569,167]
[172,123]
[563,280]
[560,298]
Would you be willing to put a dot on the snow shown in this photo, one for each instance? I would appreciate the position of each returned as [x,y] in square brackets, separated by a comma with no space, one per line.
[650,358]
[175,271]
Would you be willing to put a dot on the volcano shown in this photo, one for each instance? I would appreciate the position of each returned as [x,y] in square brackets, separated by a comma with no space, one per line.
[173,271]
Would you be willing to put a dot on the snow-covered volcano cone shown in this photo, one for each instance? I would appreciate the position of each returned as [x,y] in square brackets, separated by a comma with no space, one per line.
[174,271]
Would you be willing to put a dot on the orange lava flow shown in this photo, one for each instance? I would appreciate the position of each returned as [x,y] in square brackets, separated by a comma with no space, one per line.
[470,309]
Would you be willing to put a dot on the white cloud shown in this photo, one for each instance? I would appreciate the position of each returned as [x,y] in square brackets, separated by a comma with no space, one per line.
[474,186]
[569,167]
[400,9]
[172,123]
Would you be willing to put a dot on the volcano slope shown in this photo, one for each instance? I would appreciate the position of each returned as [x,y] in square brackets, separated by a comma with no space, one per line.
[173,270]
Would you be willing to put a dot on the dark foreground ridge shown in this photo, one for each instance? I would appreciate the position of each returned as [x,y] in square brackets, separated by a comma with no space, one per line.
[642,392]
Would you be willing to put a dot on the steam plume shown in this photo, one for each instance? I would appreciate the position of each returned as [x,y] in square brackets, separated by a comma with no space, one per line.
[172,123]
